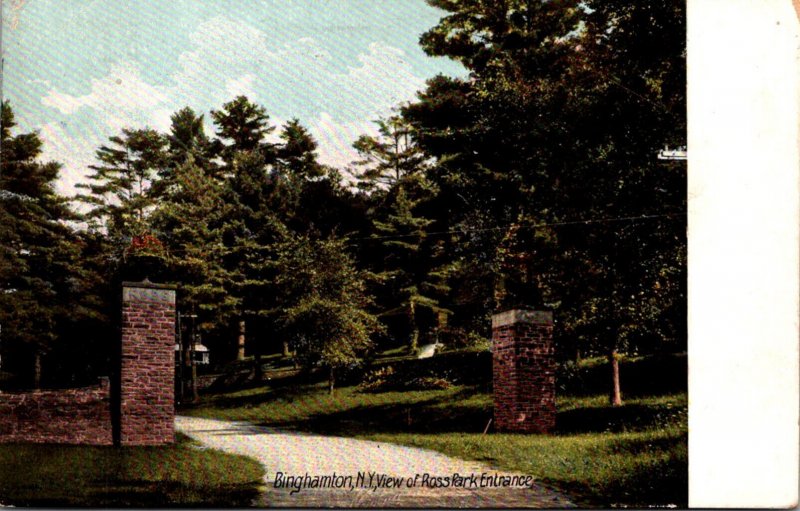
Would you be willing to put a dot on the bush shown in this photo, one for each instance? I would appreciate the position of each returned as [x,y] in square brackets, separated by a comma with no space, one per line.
[377,379]
[456,337]
[385,379]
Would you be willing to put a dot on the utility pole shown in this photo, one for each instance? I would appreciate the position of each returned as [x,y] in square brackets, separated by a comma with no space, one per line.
[187,358]
[180,360]
[195,397]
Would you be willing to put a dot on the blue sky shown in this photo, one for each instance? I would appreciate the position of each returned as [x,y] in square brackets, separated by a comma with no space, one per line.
[82,70]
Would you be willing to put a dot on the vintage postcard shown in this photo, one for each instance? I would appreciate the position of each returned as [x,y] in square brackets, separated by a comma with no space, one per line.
[372,254]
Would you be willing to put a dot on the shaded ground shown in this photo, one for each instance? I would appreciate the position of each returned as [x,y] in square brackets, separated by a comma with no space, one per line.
[42,475]
[298,454]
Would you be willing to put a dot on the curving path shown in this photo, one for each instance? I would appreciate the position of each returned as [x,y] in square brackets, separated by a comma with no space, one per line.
[342,459]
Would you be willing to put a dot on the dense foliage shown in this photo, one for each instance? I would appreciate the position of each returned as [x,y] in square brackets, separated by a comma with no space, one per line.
[534,182]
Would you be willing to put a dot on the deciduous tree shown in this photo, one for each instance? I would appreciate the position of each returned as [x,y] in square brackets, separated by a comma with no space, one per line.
[322,304]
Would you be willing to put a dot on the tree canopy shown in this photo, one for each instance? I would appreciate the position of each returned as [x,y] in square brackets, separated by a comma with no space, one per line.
[532,182]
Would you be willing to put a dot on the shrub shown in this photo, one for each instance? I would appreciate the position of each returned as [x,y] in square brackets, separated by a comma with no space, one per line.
[377,379]
[456,337]
[386,379]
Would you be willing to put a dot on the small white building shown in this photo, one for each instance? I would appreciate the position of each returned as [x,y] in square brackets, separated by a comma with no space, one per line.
[201,354]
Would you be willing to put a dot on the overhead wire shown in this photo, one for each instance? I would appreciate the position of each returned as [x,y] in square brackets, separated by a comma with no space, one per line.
[464,231]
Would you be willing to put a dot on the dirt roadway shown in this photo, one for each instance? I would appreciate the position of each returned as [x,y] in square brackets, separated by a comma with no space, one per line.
[417,475]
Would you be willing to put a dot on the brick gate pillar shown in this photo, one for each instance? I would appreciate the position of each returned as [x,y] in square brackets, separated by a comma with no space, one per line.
[524,371]
[147,371]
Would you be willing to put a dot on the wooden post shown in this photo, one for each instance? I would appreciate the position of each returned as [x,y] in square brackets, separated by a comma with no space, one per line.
[615,397]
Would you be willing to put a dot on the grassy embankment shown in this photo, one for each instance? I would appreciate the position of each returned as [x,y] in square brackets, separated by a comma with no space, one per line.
[177,475]
[632,455]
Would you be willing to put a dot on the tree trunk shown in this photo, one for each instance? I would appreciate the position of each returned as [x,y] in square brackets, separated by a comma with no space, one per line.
[37,370]
[615,397]
[413,339]
[331,380]
[240,354]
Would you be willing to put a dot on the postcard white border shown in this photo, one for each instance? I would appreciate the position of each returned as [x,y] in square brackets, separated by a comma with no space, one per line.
[743,253]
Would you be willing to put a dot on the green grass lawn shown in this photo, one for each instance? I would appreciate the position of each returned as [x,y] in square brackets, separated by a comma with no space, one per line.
[636,469]
[176,475]
[633,455]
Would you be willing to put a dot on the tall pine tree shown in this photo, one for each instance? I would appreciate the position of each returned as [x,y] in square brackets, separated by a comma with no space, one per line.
[119,197]
[410,277]
[390,156]
[41,279]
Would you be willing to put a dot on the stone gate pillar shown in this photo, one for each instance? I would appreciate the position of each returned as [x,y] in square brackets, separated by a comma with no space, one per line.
[524,371]
[147,370]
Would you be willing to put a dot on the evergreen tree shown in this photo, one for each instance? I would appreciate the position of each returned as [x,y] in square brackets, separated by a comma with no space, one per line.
[297,153]
[261,200]
[119,195]
[408,276]
[317,201]
[41,279]
[243,126]
[186,141]
[389,157]
[187,138]
[193,221]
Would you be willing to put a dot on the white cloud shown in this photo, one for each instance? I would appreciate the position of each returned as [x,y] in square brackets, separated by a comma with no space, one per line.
[336,139]
[161,119]
[74,146]
[383,79]
[224,54]
[228,58]
[121,98]
[65,103]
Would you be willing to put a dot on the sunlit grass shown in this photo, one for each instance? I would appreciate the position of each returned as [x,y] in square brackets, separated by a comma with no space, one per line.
[633,455]
[632,469]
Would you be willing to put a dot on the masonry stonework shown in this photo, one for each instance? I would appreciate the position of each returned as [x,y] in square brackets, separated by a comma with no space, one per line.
[63,416]
[523,371]
[147,370]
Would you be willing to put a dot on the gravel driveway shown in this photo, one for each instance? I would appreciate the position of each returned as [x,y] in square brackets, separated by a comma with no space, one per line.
[307,470]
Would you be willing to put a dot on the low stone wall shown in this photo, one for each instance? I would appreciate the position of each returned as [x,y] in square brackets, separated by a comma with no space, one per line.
[64,416]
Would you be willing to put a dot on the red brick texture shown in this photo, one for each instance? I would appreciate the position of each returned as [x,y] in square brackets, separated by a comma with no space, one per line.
[143,413]
[147,372]
[523,372]
[64,416]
